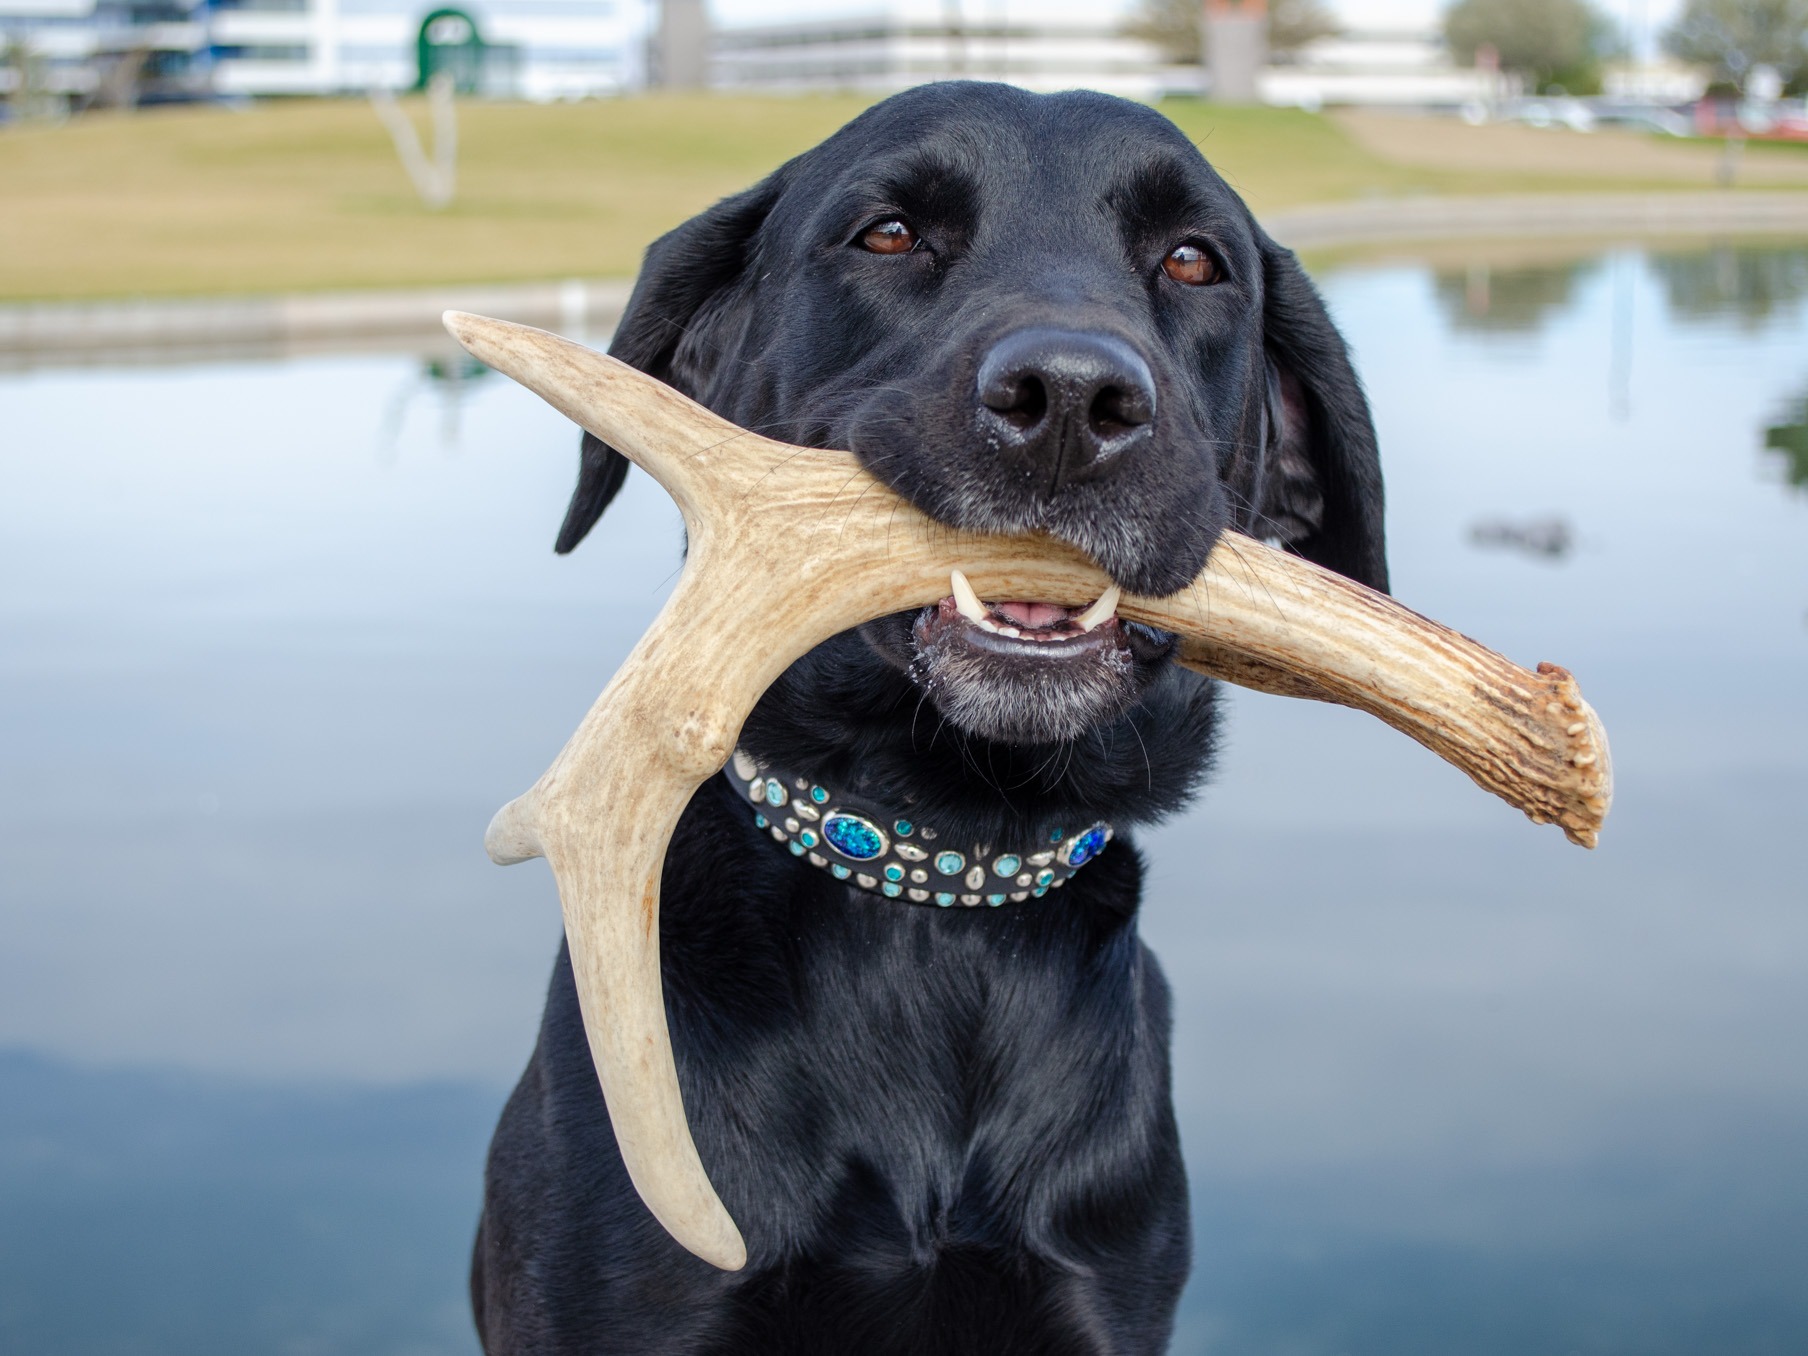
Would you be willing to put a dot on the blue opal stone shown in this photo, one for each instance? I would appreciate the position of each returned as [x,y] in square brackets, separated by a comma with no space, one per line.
[1044,877]
[1039,891]
[854,836]
[761,822]
[1007,865]
[891,891]
[894,872]
[1056,835]
[950,863]
[944,900]
[994,900]
[775,794]
[797,849]
[903,828]
[808,838]
[1082,848]
[818,795]
[838,871]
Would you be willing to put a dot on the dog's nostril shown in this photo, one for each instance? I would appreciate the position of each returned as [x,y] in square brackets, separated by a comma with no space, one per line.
[1020,398]
[1027,404]
[1118,410]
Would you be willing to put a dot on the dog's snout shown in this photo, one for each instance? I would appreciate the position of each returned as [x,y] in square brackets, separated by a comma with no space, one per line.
[1068,402]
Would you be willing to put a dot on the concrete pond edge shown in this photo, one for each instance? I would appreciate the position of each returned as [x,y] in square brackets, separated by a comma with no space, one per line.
[55,333]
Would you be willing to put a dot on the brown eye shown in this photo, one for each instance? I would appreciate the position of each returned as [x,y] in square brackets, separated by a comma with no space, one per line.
[1190,265]
[889,237]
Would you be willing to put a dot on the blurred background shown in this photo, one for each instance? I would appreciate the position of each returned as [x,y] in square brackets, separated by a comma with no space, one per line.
[280,627]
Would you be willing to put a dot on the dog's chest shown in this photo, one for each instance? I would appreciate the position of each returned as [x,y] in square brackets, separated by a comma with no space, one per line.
[916,1077]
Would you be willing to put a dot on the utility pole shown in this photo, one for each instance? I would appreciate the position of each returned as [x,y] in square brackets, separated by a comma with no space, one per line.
[1236,48]
[681,45]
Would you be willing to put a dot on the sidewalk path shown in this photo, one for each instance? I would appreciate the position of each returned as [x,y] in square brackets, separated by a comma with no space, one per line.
[1607,155]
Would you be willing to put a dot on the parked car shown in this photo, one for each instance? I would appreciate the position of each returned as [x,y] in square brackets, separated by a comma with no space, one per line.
[1654,118]
[1549,111]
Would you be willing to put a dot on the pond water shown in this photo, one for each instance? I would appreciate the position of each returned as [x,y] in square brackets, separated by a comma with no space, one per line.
[277,637]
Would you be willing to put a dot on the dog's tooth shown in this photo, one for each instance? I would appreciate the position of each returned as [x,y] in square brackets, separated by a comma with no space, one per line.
[1010,631]
[1102,611]
[965,598]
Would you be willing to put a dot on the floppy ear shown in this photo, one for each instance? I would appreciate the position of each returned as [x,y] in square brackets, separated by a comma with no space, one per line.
[1320,491]
[686,273]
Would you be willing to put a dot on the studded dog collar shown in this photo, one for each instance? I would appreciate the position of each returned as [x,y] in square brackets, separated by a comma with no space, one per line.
[853,840]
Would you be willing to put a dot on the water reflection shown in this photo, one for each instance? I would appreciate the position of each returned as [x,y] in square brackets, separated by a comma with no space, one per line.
[1789,440]
[1747,283]
[1445,1083]
[445,380]
[1521,299]
[1545,538]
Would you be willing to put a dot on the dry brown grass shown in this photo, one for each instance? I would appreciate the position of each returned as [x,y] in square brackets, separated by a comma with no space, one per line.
[1604,159]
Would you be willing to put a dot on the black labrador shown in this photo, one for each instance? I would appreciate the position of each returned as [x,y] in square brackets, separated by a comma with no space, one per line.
[943,1128]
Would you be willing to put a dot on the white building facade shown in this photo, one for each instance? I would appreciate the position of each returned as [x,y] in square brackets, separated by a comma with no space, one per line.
[532,49]
[86,51]
[878,52]
[537,49]
[1378,68]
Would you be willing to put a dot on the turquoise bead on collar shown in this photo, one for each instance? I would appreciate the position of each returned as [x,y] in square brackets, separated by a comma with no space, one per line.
[894,856]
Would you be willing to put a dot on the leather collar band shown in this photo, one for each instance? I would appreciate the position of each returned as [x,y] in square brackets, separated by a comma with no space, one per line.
[856,841]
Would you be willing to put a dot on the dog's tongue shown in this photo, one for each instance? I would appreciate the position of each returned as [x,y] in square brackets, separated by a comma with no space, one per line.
[1035,616]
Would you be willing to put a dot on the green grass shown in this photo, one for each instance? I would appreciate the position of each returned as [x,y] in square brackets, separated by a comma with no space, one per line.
[308,195]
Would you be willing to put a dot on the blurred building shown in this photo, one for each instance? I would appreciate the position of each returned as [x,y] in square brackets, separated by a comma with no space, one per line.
[1386,68]
[137,51]
[1662,80]
[103,52]
[1051,47]
[913,41]
[532,49]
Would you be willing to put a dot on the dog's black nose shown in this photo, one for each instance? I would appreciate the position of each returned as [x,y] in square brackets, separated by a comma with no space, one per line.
[1069,402]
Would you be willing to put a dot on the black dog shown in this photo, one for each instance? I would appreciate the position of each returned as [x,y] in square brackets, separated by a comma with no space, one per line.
[944,1129]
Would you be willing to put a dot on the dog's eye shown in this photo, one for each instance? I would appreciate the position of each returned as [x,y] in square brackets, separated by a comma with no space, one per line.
[889,237]
[1190,264]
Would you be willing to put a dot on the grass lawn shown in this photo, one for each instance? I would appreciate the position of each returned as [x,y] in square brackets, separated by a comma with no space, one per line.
[309,194]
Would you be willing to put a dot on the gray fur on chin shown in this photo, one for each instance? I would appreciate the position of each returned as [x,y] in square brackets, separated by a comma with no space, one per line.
[1029,701]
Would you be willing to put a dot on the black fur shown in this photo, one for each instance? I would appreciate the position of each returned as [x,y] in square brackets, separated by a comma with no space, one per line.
[941,1131]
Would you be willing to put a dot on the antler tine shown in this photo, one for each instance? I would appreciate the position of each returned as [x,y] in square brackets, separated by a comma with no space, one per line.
[1303,631]
[775,568]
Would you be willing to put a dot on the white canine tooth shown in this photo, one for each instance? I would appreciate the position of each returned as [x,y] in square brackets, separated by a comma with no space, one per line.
[1102,611]
[965,598]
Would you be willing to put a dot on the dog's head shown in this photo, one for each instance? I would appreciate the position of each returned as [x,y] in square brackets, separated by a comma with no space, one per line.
[1024,313]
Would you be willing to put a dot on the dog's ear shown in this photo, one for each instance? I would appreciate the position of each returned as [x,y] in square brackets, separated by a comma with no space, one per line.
[664,331]
[1320,491]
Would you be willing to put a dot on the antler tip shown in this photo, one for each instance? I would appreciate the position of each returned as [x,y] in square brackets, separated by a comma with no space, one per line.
[510,837]
[727,1252]
[463,325]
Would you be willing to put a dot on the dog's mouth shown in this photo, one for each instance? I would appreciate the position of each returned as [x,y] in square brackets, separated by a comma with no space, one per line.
[1025,627]
[1029,672]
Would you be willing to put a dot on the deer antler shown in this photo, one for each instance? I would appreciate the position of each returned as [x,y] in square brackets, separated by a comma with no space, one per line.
[791,545]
